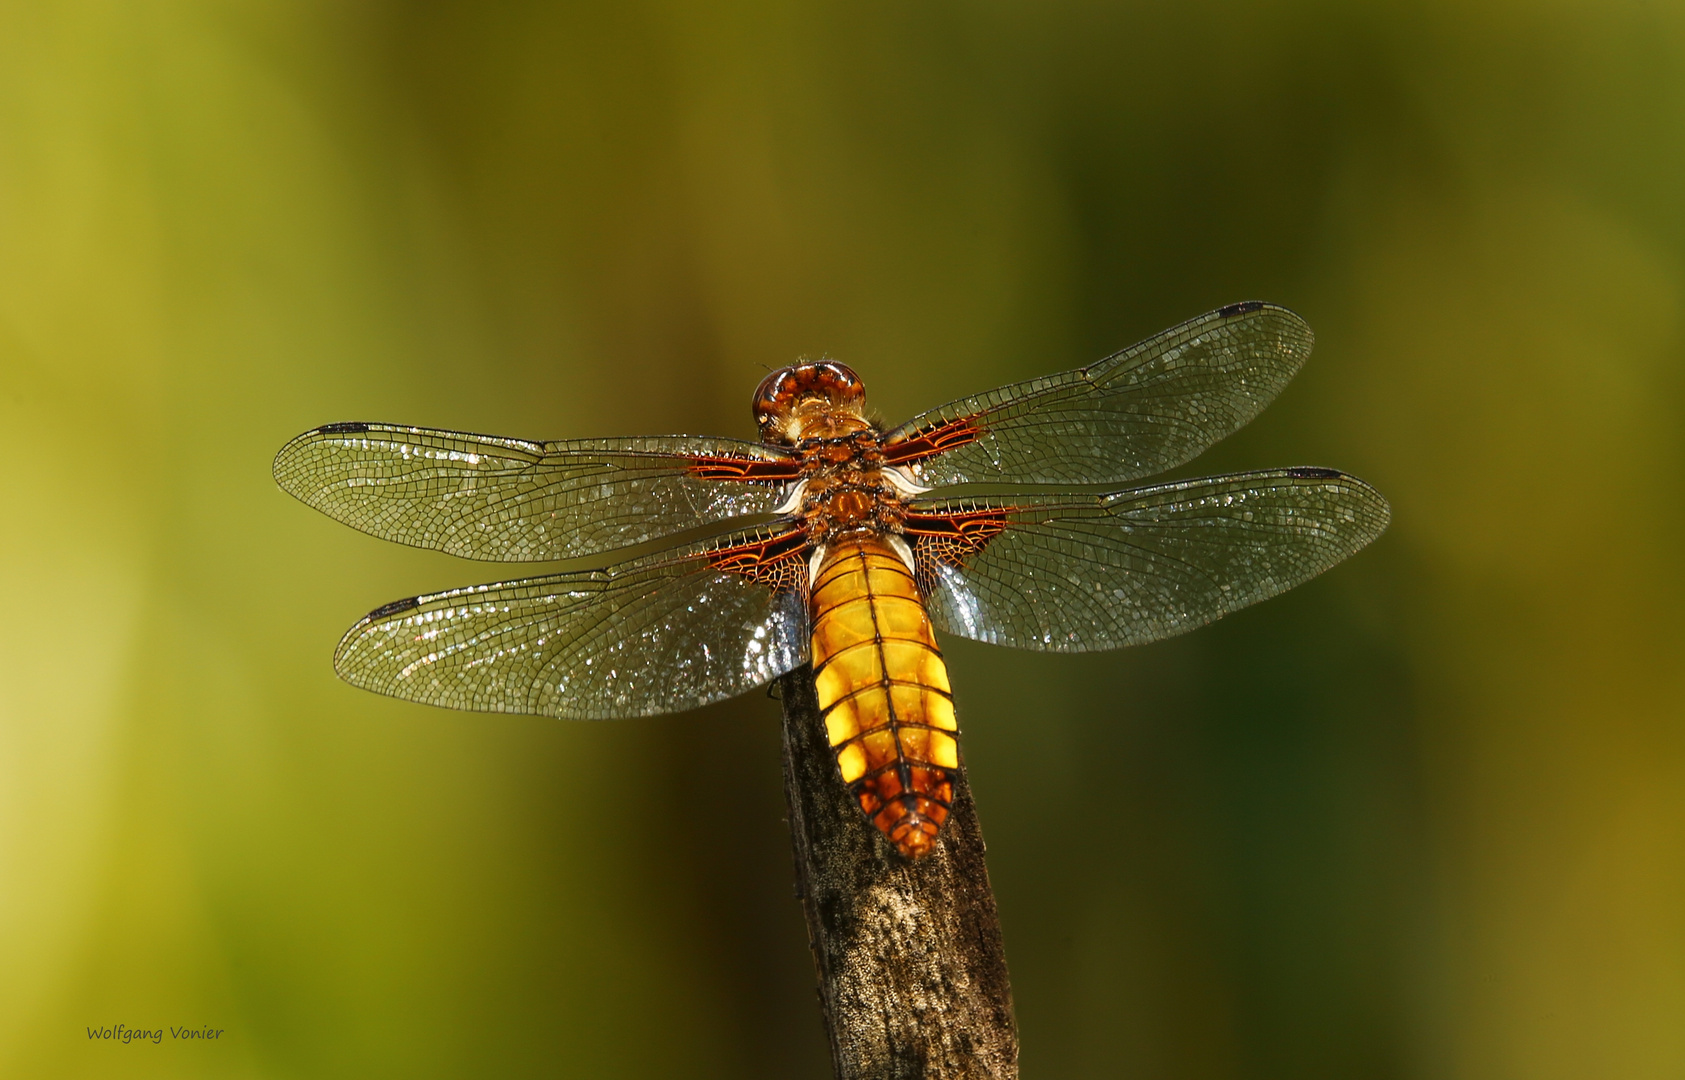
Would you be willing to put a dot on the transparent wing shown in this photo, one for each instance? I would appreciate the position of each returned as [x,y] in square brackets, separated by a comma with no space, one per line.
[1149,408]
[483,497]
[1074,573]
[654,635]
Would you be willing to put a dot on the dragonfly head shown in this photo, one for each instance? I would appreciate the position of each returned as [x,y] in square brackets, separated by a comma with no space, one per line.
[815,397]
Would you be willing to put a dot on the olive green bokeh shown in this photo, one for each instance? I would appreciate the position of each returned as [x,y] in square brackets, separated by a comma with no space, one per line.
[1424,817]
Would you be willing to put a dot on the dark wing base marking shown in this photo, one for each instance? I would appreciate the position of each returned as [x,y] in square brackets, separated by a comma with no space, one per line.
[745,470]
[1074,573]
[776,560]
[951,435]
[949,540]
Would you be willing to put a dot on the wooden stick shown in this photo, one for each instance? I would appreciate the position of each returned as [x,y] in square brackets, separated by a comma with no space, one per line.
[911,965]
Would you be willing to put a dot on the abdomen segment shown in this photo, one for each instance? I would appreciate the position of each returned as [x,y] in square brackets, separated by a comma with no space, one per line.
[883,690]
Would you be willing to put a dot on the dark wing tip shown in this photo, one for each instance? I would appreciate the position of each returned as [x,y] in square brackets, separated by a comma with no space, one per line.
[1287,325]
[286,458]
[1378,511]
[394,608]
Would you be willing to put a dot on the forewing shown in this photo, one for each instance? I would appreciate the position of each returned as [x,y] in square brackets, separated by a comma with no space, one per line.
[1074,573]
[653,635]
[1146,409]
[483,497]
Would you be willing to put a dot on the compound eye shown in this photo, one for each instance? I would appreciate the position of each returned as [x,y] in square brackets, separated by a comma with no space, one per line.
[838,382]
[781,381]
[774,396]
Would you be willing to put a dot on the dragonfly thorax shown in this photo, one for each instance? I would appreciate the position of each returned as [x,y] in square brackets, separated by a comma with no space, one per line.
[846,489]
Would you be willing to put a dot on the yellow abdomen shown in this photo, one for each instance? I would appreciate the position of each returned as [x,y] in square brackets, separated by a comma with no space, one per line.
[883,690]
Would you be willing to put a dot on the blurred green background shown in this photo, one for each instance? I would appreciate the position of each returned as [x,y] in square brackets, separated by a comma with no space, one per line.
[1424,817]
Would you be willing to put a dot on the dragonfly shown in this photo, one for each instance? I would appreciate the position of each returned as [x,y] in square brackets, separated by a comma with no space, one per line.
[1013,517]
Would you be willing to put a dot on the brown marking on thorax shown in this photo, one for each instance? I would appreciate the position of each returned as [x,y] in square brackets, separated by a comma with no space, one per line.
[847,493]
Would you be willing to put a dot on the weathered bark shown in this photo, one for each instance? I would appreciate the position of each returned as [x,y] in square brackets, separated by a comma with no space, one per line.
[912,970]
